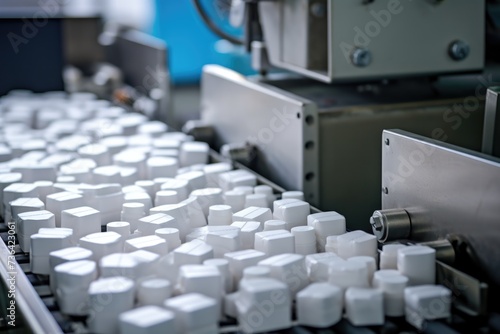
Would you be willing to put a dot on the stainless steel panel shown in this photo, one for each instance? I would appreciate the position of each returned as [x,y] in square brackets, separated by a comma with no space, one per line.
[471,295]
[295,17]
[350,163]
[491,134]
[346,132]
[284,127]
[305,43]
[143,61]
[403,37]
[445,189]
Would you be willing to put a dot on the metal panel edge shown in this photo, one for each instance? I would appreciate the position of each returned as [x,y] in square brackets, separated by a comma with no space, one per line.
[287,161]
[446,190]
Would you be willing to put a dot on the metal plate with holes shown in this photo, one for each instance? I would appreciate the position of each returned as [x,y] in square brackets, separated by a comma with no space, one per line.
[445,189]
[295,33]
[340,148]
[283,127]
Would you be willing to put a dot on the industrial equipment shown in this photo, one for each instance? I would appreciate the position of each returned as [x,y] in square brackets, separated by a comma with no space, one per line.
[356,190]
[339,40]
[333,139]
[325,139]
[75,51]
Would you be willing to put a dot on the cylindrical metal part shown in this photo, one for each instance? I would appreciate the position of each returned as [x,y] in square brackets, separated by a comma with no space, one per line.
[391,224]
[444,250]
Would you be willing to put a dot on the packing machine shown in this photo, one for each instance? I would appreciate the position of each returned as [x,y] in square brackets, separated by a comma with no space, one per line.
[382,111]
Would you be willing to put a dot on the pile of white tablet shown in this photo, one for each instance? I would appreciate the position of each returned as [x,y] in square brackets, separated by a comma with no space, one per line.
[139,232]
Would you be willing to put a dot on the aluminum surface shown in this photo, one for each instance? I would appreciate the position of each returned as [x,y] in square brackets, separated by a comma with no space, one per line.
[404,37]
[446,190]
[284,127]
[390,225]
[471,295]
[143,60]
[345,134]
[491,134]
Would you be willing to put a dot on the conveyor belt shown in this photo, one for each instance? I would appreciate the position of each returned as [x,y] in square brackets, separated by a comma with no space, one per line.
[37,310]
[41,295]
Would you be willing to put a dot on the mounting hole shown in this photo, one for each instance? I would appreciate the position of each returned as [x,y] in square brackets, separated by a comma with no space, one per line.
[309,120]
[309,176]
[309,145]
[387,141]
[385,190]
[298,115]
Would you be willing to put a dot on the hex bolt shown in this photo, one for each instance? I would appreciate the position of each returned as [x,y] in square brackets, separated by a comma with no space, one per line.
[361,57]
[376,223]
[459,50]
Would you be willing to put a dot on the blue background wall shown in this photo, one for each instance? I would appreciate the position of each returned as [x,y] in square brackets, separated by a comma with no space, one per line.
[191,44]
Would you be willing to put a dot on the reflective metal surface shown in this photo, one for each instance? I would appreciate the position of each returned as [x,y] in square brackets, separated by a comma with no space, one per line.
[319,38]
[282,126]
[340,148]
[491,134]
[444,250]
[445,189]
[390,224]
[143,60]
[471,295]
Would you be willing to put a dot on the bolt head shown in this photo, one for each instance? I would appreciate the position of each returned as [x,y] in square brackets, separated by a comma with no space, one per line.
[376,222]
[459,50]
[361,57]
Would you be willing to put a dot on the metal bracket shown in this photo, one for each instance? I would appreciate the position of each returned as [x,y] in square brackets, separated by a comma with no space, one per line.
[447,190]
[470,294]
[201,131]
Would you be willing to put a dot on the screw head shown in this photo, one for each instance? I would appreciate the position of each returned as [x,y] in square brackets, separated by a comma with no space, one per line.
[361,57]
[459,50]
[376,223]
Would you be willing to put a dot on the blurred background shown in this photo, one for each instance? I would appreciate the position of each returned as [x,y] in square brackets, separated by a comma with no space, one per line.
[192,44]
[189,42]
